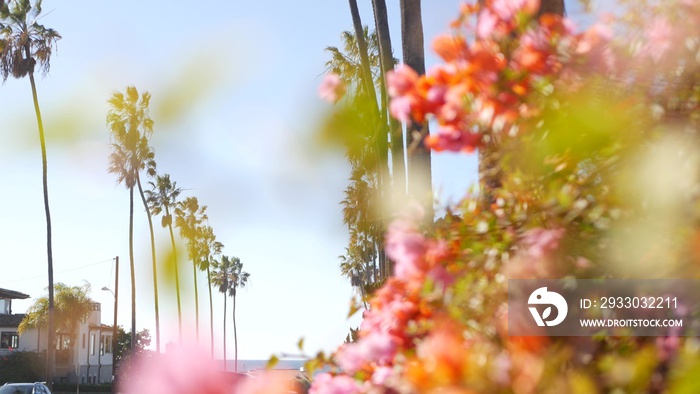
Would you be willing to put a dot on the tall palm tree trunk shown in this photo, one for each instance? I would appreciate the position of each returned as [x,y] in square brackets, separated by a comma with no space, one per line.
[131,265]
[380,135]
[196,300]
[419,167]
[362,46]
[177,275]
[211,312]
[153,260]
[387,63]
[235,334]
[51,350]
[225,297]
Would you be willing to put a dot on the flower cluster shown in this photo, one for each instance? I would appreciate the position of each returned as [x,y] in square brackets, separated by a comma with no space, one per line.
[567,103]
[484,86]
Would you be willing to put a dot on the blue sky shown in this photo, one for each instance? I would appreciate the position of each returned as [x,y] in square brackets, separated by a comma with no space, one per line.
[235,110]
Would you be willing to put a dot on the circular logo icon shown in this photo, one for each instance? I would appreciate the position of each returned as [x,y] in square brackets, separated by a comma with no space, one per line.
[543,297]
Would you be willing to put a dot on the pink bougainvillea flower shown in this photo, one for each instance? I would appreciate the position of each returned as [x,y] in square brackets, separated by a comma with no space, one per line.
[382,375]
[181,371]
[593,46]
[401,85]
[453,139]
[406,246]
[401,81]
[540,241]
[332,88]
[350,357]
[660,37]
[667,347]
[379,347]
[400,108]
[508,9]
[326,383]
[486,24]
[499,17]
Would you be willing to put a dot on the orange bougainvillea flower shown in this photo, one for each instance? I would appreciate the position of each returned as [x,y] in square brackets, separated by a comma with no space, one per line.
[450,47]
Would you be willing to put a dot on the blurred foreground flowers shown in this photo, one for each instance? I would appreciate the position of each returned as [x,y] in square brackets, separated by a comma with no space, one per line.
[592,146]
[592,139]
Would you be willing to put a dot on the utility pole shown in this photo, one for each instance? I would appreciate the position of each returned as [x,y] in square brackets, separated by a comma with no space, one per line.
[115,293]
[114,328]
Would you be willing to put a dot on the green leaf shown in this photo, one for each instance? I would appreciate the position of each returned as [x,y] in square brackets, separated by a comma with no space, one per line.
[354,307]
[272,362]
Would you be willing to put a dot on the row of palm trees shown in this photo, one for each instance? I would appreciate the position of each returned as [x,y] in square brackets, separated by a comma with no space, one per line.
[26,44]
[131,127]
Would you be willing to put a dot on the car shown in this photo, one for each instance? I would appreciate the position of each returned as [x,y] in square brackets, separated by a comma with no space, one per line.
[24,388]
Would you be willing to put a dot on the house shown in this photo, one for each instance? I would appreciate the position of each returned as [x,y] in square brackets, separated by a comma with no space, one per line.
[84,358]
[9,337]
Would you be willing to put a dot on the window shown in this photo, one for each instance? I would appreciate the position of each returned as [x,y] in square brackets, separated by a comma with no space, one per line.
[92,344]
[62,341]
[9,340]
[5,307]
[108,344]
[102,345]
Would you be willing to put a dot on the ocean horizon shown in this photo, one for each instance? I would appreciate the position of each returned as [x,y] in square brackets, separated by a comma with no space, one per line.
[252,365]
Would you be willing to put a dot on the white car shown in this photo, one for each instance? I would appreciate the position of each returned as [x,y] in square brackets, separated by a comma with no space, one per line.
[24,388]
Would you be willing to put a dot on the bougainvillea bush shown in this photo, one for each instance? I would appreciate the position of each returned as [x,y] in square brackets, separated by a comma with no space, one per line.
[591,142]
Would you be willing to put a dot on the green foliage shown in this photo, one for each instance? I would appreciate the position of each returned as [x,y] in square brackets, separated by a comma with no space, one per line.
[228,275]
[130,128]
[23,41]
[125,353]
[358,128]
[189,218]
[72,305]
[163,197]
[22,367]
[272,362]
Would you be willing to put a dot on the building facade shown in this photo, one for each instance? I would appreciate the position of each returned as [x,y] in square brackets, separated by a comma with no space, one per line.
[84,356]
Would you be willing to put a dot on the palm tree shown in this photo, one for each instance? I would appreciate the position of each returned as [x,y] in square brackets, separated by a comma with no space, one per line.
[73,306]
[189,217]
[23,44]
[209,249]
[237,279]
[387,62]
[362,204]
[130,126]
[151,171]
[220,279]
[162,199]
[419,167]
[377,124]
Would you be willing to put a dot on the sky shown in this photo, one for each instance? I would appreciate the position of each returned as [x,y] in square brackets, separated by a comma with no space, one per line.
[235,108]
[236,113]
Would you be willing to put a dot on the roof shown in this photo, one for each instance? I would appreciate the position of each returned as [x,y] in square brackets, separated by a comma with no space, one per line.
[13,295]
[101,326]
[289,374]
[11,320]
